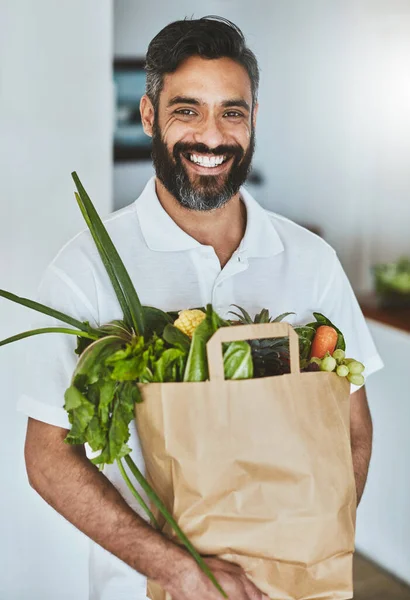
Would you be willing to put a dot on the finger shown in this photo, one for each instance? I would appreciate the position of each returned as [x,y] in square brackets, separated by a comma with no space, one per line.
[253,592]
[225,565]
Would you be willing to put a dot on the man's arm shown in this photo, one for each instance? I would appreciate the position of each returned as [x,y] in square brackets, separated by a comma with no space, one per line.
[361,437]
[70,483]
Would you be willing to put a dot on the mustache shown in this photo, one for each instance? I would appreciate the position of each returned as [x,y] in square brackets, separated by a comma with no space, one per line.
[183,147]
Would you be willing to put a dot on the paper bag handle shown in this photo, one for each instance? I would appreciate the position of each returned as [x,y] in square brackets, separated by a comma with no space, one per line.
[257,331]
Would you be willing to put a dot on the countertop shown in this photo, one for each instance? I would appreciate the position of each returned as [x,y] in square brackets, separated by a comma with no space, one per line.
[395,317]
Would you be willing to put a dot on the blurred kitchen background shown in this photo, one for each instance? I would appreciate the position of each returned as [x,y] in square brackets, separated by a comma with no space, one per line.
[333,153]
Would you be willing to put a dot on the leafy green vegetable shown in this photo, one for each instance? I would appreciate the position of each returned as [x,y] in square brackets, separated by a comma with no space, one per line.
[80,412]
[170,366]
[118,430]
[306,335]
[91,363]
[238,361]
[176,337]
[197,364]
[155,321]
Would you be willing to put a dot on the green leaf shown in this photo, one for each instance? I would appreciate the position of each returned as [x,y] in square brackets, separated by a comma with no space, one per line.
[129,369]
[215,319]
[262,317]
[73,398]
[49,312]
[118,430]
[117,328]
[245,315]
[175,337]
[281,317]
[107,390]
[107,264]
[170,366]
[197,364]
[155,320]
[26,334]
[238,361]
[117,272]
[131,389]
[306,335]
[80,414]
[95,434]
[92,361]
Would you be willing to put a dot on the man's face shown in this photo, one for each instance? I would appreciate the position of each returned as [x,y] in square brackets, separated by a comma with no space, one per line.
[203,134]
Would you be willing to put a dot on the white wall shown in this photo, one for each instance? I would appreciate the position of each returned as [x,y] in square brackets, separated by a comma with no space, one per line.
[333,137]
[383,518]
[56,116]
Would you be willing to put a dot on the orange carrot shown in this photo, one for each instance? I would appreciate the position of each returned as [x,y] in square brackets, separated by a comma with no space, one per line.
[325,340]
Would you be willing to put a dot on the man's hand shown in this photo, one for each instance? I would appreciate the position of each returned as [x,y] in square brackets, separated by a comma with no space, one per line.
[195,585]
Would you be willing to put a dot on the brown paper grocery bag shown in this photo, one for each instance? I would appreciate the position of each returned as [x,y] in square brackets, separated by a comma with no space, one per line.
[259,471]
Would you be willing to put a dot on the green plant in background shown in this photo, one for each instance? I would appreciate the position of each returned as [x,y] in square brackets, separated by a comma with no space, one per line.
[393,277]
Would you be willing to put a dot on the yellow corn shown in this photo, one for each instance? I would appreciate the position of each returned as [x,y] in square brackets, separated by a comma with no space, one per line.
[188,320]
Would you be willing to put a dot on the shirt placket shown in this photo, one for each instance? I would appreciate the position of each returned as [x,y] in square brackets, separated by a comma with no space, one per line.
[216,285]
[223,287]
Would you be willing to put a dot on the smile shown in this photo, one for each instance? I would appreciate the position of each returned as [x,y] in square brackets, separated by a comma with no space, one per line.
[209,162]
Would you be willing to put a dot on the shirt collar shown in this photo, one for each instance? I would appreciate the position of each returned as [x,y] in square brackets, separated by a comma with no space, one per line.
[161,233]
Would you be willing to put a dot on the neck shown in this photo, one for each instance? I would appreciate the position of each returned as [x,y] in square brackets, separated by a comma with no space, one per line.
[223,228]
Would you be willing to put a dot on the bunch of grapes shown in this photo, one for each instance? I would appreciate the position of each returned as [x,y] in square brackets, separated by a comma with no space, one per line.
[338,363]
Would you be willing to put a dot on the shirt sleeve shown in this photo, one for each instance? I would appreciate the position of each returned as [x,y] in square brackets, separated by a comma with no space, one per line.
[50,358]
[340,305]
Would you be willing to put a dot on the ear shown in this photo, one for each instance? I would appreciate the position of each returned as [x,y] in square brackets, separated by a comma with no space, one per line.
[147,114]
[254,114]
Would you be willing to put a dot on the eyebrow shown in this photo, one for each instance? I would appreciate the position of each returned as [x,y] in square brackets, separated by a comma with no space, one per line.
[196,102]
[236,102]
[184,100]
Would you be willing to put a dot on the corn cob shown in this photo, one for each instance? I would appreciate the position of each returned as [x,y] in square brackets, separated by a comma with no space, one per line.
[188,320]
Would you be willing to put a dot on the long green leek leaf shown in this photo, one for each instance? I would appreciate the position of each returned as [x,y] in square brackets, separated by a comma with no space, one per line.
[26,334]
[107,264]
[171,521]
[136,495]
[98,231]
[47,311]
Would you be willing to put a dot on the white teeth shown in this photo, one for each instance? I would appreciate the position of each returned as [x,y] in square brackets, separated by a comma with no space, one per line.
[206,161]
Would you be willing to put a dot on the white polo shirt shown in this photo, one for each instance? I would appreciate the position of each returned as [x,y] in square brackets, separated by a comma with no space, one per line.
[278,265]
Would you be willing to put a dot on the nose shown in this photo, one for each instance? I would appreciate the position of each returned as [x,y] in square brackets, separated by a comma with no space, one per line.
[210,133]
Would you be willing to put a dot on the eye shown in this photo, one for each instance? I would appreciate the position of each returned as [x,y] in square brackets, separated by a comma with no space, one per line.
[234,114]
[185,112]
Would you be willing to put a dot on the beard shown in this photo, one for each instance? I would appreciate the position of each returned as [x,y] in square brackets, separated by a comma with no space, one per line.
[206,192]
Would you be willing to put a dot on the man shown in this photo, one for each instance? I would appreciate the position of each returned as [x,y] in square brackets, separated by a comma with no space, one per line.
[193,236]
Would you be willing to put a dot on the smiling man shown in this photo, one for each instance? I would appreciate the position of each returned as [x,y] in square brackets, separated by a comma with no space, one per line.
[200,110]
[194,236]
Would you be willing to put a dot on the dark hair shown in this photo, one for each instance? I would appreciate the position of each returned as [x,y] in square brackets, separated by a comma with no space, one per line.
[210,37]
